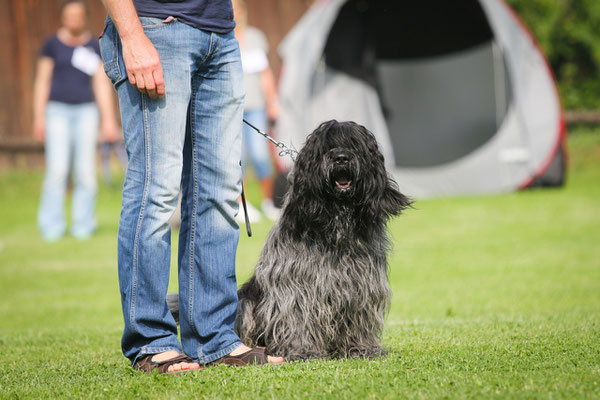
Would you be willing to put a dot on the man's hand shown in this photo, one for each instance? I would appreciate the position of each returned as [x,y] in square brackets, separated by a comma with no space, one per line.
[142,62]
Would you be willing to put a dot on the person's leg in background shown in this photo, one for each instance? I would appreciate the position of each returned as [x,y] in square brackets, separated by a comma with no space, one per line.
[51,213]
[84,134]
[120,152]
[105,162]
[257,149]
[105,157]
[254,215]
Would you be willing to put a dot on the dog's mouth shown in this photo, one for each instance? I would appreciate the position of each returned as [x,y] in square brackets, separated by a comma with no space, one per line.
[343,180]
[343,183]
[341,170]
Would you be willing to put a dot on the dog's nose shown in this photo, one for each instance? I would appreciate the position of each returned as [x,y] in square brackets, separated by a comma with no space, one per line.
[341,158]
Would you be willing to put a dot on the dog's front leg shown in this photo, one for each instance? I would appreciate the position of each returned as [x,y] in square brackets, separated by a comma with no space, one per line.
[361,344]
[359,332]
[245,321]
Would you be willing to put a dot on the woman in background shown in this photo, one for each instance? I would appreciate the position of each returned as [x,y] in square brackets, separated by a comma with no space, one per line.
[69,89]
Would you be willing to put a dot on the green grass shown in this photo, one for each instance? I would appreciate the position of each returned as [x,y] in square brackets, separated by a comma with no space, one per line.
[494,297]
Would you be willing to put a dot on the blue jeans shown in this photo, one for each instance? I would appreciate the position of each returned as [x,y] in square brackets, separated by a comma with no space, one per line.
[71,131]
[256,147]
[191,139]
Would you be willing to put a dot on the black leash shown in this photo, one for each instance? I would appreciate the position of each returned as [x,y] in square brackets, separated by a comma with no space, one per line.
[284,150]
[248,228]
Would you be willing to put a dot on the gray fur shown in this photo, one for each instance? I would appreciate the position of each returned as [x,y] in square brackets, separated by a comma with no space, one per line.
[316,304]
[320,288]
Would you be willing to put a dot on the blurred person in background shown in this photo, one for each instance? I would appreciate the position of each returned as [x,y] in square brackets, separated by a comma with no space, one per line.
[260,107]
[69,89]
[106,148]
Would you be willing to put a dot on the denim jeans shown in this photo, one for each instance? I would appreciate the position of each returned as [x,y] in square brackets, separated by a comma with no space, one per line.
[71,131]
[191,139]
[256,147]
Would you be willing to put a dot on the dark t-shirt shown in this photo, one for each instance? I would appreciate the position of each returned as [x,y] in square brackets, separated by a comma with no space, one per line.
[73,70]
[209,15]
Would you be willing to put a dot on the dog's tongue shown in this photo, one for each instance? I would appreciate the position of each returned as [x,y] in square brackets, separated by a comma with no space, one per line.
[342,182]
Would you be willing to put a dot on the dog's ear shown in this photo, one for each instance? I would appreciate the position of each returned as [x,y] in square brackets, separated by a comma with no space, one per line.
[393,202]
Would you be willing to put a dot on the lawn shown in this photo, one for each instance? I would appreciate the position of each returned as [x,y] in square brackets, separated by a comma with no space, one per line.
[493,297]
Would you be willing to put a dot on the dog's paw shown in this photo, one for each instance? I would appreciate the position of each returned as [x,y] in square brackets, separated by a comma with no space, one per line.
[367,352]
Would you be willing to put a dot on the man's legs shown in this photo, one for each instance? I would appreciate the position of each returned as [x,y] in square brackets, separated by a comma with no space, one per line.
[211,185]
[154,133]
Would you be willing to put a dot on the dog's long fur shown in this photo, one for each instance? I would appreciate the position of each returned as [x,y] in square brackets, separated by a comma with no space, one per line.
[320,288]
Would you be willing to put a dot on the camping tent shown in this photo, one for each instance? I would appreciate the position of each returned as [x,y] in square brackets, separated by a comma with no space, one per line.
[458,93]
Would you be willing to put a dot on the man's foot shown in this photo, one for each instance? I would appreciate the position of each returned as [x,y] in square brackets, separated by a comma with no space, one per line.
[244,349]
[162,362]
[244,355]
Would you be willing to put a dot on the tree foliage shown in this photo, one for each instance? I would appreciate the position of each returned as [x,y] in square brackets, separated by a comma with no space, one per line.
[569,33]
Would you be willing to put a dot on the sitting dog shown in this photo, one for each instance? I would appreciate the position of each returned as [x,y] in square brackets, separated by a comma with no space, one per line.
[320,288]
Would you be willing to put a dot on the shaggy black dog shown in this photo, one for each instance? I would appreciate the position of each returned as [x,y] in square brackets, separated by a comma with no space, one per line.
[320,288]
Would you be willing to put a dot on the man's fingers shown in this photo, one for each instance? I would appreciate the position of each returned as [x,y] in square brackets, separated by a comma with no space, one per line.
[138,80]
[144,69]
[150,85]
[160,82]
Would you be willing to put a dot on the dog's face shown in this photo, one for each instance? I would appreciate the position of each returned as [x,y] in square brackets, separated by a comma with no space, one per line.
[341,156]
[340,171]
[341,163]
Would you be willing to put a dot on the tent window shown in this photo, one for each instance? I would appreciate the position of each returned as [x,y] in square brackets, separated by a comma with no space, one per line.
[441,109]
[441,79]
[393,29]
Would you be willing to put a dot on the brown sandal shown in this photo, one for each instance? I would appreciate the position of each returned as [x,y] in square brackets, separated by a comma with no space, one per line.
[145,364]
[255,356]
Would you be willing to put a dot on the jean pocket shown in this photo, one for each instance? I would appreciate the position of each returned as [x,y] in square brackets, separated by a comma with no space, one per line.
[151,23]
[110,49]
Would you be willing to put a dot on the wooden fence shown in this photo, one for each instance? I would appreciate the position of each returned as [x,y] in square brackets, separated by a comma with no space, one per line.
[25,23]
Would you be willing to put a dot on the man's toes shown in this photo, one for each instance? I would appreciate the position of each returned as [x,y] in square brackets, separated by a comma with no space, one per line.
[183,366]
[275,360]
[190,366]
[174,367]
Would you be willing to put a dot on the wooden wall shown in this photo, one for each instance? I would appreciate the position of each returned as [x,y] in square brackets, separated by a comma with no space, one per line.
[25,23]
[275,18]
[23,26]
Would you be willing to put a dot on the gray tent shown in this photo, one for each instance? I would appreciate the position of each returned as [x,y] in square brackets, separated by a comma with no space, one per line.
[458,93]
